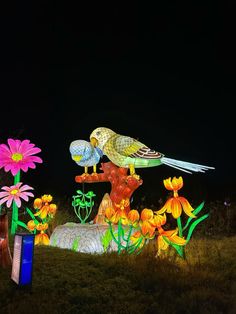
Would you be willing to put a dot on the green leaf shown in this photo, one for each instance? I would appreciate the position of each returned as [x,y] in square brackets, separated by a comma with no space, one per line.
[80,203]
[54,241]
[22,224]
[79,192]
[75,244]
[195,212]
[178,248]
[90,194]
[106,238]
[76,202]
[31,214]
[194,224]
[88,204]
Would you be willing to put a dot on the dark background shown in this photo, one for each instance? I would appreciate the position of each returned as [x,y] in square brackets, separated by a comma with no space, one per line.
[163,74]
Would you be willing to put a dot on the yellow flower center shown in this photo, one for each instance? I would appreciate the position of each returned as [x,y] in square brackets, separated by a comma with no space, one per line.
[17,157]
[15,191]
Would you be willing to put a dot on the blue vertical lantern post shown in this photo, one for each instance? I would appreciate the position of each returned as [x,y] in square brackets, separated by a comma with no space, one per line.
[22,265]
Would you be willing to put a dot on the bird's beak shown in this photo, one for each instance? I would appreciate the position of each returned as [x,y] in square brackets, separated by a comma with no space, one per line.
[94,141]
[77,158]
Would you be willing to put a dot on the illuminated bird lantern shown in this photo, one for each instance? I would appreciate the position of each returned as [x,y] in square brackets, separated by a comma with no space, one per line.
[85,154]
[127,152]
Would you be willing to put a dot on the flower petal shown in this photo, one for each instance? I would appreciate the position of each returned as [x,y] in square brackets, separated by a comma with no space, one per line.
[161,243]
[176,208]
[18,201]
[13,145]
[9,201]
[165,207]
[168,184]
[28,194]
[26,187]
[45,239]
[4,150]
[3,200]
[147,229]
[24,167]
[25,144]
[2,194]
[31,151]
[178,240]
[15,168]
[146,214]
[6,188]
[186,207]
[17,186]
[37,239]
[24,197]
[177,183]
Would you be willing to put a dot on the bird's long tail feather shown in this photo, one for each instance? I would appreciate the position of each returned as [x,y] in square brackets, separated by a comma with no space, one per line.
[184,166]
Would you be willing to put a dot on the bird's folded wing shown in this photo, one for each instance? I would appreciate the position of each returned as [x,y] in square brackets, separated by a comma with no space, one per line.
[128,146]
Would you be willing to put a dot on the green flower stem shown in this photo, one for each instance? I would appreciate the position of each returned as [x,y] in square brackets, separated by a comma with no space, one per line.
[113,236]
[119,236]
[79,216]
[180,228]
[14,220]
[145,240]
[128,237]
[135,247]
[84,207]
[179,224]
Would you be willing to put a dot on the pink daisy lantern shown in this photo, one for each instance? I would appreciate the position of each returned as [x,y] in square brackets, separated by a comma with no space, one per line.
[15,193]
[18,155]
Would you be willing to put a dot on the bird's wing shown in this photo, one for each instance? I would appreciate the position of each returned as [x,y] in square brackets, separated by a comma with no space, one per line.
[99,151]
[129,147]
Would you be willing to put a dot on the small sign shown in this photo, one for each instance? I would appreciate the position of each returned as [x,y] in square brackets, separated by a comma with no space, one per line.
[22,265]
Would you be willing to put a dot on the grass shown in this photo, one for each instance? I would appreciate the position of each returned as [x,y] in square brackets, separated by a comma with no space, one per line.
[68,282]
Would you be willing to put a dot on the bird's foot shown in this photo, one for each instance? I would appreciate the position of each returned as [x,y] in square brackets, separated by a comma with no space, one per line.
[135,176]
[94,174]
[85,174]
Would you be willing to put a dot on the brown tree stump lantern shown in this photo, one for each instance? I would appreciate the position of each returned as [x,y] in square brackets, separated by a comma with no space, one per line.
[5,254]
[122,184]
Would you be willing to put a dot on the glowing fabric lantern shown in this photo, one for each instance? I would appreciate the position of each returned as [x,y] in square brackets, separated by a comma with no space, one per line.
[127,152]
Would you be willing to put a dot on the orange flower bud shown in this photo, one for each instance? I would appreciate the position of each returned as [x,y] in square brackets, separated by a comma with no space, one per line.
[133,215]
[146,214]
[42,238]
[38,203]
[47,198]
[174,184]
[158,220]
[52,209]
[147,229]
[31,225]
[42,227]
[109,212]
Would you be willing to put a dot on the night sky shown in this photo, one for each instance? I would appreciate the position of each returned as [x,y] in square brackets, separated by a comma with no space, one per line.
[163,75]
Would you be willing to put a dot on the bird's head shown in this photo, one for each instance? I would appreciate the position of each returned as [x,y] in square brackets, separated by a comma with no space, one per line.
[80,149]
[100,136]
